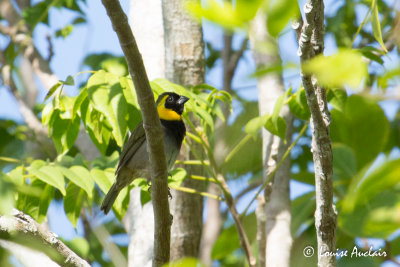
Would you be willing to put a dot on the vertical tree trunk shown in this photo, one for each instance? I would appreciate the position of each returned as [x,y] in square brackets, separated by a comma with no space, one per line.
[184,64]
[311,43]
[277,208]
[147,26]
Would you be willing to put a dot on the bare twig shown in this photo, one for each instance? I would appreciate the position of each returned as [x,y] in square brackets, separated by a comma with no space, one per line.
[272,173]
[152,127]
[20,223]
[310,44]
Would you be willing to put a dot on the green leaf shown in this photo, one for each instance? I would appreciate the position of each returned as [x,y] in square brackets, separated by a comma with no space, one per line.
[135,116]
[303,208]
[383,80]
[73,202]
[372,53]
[186,262]
[69,80]
[177,177]
[337,98]
[276,126]
[377,218]
[65,32]
[37,206]
[344,161]
[105,179]
[6,195]
[80,176]
[255,124]
[228,240]
[51,92]
[105,94]
[50,175]
[37,13]
[108,62]
[78,102]
[65,132]
[79,245]
[346,67]
[279,14]
[102,180]
[298,105]
[362,126]
[376,25]
[304,177]
[224,13]
[204,116]
[363,188]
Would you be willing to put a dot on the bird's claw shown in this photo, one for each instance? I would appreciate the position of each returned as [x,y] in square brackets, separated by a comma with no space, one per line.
[169,193]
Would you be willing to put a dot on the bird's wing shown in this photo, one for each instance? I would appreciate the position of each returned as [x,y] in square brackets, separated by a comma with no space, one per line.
[134,142]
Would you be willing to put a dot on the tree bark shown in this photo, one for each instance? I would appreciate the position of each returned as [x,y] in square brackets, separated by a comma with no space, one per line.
[21,227]
[153,131]
[277,207]
[184,64]
[311,43]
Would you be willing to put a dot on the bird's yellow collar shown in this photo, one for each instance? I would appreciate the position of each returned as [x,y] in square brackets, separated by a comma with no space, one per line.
[166,113]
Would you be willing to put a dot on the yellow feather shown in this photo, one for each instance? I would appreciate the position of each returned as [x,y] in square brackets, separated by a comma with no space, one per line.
[166,113]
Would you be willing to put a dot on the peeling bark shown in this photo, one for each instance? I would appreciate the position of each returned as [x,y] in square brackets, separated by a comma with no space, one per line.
[311,43]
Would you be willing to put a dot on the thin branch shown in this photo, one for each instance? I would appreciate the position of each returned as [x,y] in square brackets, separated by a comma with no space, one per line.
[311,44]
[272,174]
[152,127]
[20,223]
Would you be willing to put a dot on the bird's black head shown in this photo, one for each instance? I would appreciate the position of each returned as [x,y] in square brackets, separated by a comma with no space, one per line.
[170,106]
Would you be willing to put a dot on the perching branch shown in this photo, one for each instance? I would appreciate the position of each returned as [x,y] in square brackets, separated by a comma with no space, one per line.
[310,44]
[152,127]
[20,225]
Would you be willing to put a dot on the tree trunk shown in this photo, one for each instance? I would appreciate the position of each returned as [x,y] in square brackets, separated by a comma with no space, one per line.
[184,64]
[277,207]
[147,26]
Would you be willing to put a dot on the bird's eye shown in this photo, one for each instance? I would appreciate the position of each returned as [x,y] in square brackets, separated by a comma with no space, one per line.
[170,99]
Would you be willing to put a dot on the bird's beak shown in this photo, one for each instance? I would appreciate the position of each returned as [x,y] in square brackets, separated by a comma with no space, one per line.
[182,100]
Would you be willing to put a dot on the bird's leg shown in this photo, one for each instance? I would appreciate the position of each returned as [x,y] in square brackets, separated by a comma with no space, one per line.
[149,184]
[169,193]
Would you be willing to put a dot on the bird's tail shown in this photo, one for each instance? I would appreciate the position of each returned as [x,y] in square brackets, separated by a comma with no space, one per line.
[110,198]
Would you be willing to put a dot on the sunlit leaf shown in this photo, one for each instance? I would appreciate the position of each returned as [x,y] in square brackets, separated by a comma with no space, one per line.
[279,14]
[80,176]
[186,262]
[177,177]
[6,195]
[298,105]
[376,25]
[343,68]
[65,32]
[255,124]
[52,90]
[51,176]
[105,93]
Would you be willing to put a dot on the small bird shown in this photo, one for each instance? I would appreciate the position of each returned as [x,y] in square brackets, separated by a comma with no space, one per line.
[134,159]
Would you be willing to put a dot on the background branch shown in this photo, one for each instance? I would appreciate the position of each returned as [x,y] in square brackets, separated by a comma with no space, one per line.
[23,225]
